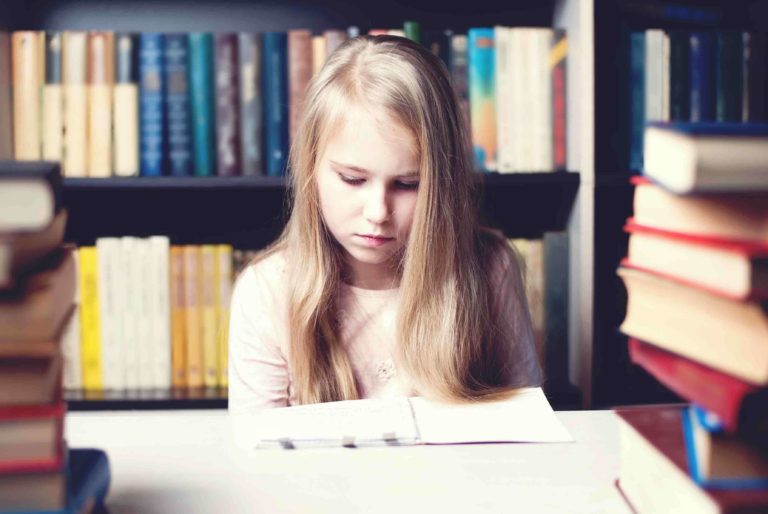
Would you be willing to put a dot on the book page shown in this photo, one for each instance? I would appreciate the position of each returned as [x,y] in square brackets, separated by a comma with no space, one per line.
[525,417]
[353,423]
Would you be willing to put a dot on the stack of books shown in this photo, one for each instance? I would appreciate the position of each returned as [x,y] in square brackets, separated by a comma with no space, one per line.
[37,292]
[697,281]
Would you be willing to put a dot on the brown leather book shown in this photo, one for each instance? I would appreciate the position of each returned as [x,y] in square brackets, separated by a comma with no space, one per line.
[30,380]
[299,74]
[21,251]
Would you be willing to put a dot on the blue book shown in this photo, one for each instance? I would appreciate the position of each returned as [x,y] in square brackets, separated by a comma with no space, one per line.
[636,99]
[729,75]
[177,105]
[702,76]
[696,428]
[275,92]
[714,128]
[481,54]
[152,144]
[201,92]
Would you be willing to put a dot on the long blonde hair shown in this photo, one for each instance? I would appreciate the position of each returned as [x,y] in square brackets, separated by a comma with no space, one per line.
[446,343]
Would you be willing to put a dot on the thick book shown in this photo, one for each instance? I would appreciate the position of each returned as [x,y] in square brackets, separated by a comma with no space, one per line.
[201,88]
[721,461]
[734,217]
[37,309]
[153,146]
[720,332]
[654,472]
[523,416]
[299,74]
[30,433]
[707,157]
[275,89]
[742,268]
[739,405]
[31,194]
[90,322]
[177,104]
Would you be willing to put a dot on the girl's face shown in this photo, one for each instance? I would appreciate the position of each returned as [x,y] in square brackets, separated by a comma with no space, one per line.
[368,179]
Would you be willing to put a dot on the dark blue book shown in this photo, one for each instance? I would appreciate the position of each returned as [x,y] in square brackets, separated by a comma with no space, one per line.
[732,129]
[754,46]
[729,75]
[275,91]
[249,64]
[679,76]
[636,99]
[152,143]
[203,113]
[702,76]
[177,105]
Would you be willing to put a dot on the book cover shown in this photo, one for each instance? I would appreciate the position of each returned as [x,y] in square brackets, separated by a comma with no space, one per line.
[275,89]
[27,80]
[228,141]
[249,64]
[131,313]
[209,315]
[152,122]
[482,96]
[111,310]
[702,76]
[74,61]
[299,74]
[6,98]
[31,433]
[90,345]
[160,311]
[52,101]
[729,76]
[177,105]
[146,345]
[637,99]
[201,83]
[126,105]
[178,321]
[412,31]
[100,74]
[222,296]
[193,315]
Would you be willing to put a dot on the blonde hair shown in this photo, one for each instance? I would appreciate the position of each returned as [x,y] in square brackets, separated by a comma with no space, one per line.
[446,341]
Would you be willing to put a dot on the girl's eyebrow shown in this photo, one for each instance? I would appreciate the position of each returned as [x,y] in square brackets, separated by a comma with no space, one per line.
[406,174]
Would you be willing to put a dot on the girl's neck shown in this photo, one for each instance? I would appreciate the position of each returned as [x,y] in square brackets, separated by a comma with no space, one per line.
[372,276]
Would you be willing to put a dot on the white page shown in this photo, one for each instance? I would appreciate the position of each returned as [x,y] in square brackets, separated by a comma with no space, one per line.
[359,422]
[526,417]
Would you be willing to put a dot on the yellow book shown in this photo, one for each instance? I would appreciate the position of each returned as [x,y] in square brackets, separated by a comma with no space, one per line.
[26,55]
[178,322]
[90,342]
[318,53]
[53,100]
[193,315]
[75,104]
[223,292]
[100,72]
[209,314]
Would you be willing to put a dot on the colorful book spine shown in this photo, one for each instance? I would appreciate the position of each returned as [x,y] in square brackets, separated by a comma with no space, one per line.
[227,106]
[151,113]
[459,74]
[275,90]
[126,106]
[249,64]
[412,30]
[193,315]
[90,348]
[209,313]
[482,96]
[203,115]
[177,105]
[53,100]
[101,74]
[223,292]
[702,76]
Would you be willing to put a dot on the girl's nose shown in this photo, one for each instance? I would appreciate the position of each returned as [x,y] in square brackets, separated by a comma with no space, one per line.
[376,209]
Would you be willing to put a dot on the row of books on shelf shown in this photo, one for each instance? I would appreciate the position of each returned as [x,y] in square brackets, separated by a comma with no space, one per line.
[38,471]
[696,275]
[202,104]
[696,76]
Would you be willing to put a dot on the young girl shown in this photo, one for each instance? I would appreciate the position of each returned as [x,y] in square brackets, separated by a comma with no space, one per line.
[382,282]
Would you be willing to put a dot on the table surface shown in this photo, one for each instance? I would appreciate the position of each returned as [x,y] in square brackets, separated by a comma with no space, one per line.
[185,461]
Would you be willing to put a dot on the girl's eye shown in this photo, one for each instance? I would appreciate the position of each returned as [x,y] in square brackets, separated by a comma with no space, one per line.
[355,181]
[408,186]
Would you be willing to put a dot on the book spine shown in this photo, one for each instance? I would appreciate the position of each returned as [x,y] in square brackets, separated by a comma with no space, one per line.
[90,346]
[541,99]
[177,108]
[27,81]
[729,76]
[318,54]
[275,90]
[439,43]
[160,311]
[249,64]
[558,64]
[192,315]
[412,30]
[6,98]
[152,121]
[637,99]
[702,76]
[654,75]
[503,38]
[223,293]
[755,87]
[74,62]
[209,312]
[100,74]
[482,96]
[146,344]
[333,39]
[72,372]
[203,116]
[108,255]
[53,100]
[227,106]
[178,322]
[126,106]
[131,320]
[680,69]
[299,74]
[459,74]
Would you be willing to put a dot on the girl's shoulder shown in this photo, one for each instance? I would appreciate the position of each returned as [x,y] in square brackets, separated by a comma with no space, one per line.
[266,270]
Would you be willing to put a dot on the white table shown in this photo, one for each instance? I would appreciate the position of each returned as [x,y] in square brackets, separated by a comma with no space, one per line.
[184,462]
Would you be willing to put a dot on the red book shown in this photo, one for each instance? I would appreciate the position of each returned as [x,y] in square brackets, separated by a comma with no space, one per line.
[32,438]
[299,75]
[734,401]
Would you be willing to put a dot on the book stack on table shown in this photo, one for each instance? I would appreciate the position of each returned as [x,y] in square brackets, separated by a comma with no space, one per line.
[696,275]
[38,472]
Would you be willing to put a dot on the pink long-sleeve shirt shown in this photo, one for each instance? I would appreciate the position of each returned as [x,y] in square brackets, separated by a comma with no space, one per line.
[259,347]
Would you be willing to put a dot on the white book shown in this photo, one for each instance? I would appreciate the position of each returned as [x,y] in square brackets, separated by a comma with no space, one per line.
[518,102]
[131,274]
[654,75]
[145,316]
[543,101]
[108,258]
[160,311]
[525,416]
[504,113]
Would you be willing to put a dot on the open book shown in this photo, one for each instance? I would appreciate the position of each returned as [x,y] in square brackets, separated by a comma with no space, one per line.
[525,416]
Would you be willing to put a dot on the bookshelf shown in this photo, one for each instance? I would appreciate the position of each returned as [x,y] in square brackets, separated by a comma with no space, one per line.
[249,212]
